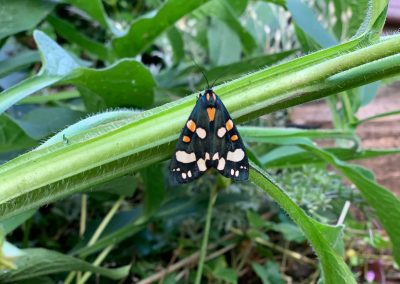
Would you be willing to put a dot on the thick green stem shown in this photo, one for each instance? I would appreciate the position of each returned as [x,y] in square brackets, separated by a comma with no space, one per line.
[129,147]
[203,252]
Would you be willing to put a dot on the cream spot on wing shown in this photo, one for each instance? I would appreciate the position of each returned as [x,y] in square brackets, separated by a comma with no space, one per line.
[207,156]
[221,164]
[201,164]
[184,175]
[178,169]
[221,132]
[183,157]
[232,172]
[201,133]
[189,174]
[216,156]
[237,173]
[235,156]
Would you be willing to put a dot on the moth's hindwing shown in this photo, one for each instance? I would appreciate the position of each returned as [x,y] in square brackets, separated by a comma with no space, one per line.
[209,140]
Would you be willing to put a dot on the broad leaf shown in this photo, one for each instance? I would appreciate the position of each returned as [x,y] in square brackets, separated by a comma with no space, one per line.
[333,266]
[144,31]
[38,262]
[21,15]
[108,87]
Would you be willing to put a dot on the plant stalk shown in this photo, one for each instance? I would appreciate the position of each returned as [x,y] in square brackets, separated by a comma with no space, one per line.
[203,251]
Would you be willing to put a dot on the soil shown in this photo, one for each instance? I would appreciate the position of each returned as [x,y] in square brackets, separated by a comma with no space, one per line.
[382,133]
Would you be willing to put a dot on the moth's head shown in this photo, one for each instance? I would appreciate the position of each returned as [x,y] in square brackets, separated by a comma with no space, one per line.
[210,96]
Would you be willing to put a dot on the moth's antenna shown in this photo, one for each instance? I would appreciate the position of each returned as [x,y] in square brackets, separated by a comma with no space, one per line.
[201,70]
[219,77]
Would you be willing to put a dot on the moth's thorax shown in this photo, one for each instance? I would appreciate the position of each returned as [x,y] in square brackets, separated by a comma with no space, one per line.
[209,97]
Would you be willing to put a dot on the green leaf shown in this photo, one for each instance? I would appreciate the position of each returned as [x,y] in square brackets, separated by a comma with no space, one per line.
[153,178]
[69,32]
[56,61]
[177,44]
[18,62]
[261,272]
[306,19]
[224,12]
[228,275]
[255,220]
[294,156]
[95,10]
[374,19]
[14,222]
[224,45]
[21,15]
[268,273]
[37,125]
[38,262]
[12,137]
[289,231]
[144,31]
[333,266]
[125,83]
[384,202]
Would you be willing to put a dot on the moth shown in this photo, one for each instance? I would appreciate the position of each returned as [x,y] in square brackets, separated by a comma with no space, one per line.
[209,139]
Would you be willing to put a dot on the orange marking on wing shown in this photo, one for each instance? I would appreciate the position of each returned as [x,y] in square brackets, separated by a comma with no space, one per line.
[211,113]
[234,138]
[186,139]
[208,96]
[191,125]
[229,124]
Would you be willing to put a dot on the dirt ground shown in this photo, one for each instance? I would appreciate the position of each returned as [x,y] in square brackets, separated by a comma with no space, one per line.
[382,133]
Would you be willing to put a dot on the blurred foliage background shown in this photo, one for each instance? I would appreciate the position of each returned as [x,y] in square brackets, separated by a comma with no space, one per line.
[97,64]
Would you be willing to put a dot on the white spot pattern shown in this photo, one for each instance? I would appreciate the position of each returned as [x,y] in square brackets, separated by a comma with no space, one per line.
[221,164]
[201,164]
[184,157]
[235,156]
[221,132]
[216,156]
[201,133]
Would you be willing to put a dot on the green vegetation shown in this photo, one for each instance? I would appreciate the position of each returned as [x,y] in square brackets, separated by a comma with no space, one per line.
[96,94]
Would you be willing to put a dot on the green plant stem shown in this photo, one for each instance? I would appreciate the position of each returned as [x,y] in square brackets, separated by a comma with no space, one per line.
[99,259]
[337,123]
[347,108]
[396,112]
[98,232]
[203,252]
[133,146]
[82,225]
[105,221]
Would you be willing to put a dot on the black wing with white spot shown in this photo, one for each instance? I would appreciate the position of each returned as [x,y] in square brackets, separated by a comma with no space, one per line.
[189,159]
[233,162]
[209,140]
